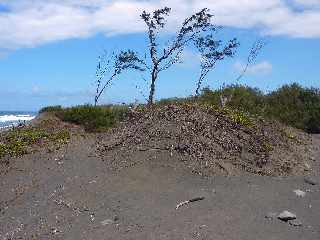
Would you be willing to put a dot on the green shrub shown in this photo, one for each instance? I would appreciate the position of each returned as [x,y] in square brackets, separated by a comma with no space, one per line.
[93,118]
[50,109]
[243,98]
[291,104]
[296,106]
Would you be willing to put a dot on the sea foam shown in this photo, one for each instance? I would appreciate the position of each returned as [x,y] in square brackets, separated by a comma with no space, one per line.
[16,118]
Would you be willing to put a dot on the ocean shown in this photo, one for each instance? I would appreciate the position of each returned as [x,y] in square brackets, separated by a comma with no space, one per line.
[11,118]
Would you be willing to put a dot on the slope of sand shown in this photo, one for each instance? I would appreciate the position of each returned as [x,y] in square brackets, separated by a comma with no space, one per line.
[72,194]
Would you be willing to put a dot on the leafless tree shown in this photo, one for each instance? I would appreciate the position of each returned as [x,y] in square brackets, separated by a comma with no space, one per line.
[255,50]
[164,58]
[211,53]
[252,57]
[110,67]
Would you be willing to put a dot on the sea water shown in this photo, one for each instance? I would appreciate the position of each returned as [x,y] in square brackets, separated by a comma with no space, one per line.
[11,118]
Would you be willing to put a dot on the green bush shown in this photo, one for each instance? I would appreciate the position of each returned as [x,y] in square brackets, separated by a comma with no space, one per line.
[243,98]
[295,106]
[292,104]
[93,118]
[50,109]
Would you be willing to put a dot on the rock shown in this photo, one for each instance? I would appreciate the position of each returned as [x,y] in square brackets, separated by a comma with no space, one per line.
[271,215]
[310,180]
[299,193]
[295,223]
[286,216]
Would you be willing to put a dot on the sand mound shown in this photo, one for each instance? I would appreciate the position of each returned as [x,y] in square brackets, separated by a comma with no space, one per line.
[207,140]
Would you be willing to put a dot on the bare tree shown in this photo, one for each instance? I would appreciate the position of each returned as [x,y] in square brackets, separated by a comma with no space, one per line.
[255,50]
[162,59]
[211,52]
[252,57]
[109,67]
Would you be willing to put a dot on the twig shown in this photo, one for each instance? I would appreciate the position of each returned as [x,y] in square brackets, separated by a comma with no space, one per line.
[189,201]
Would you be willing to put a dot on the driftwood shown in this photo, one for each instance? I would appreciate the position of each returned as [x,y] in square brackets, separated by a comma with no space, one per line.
[189,201]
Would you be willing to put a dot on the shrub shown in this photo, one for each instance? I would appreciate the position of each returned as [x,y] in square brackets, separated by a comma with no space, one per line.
[296,106]
[93,118]
[291,104]
[50,109]
[243,98]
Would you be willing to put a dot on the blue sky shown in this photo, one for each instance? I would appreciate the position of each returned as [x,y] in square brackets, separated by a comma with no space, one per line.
[49,49]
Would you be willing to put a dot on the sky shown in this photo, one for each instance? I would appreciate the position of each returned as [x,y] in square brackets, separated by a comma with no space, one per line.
[49,48]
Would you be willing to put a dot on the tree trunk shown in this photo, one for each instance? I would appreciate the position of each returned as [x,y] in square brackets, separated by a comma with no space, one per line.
[198,88]
[199,83]
[154,76]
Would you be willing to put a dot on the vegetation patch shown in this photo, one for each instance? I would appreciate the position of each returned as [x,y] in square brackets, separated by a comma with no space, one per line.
[92,118]
[20,141]
[238,117]
[56,108]
[293,105]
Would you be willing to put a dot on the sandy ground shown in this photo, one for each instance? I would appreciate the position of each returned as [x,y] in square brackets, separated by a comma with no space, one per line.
[71,194]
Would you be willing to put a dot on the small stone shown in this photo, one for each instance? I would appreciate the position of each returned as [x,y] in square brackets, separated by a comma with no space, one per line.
[295,223]
[310,180]
[271,215]
[299,193]
[286,216]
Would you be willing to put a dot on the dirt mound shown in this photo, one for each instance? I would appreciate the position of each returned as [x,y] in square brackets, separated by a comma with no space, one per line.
[207,140]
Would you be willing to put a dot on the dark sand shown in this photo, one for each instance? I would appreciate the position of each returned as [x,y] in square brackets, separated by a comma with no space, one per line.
[71,194]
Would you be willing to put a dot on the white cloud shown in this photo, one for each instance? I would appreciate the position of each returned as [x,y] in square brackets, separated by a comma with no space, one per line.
[189,58]
[31,23]
[263,67]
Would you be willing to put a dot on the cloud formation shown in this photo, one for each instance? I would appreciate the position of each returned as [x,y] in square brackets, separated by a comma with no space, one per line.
[307,3]
[28,23]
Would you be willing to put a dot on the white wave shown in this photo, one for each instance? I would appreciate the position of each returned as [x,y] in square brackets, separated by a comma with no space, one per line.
[15,118]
